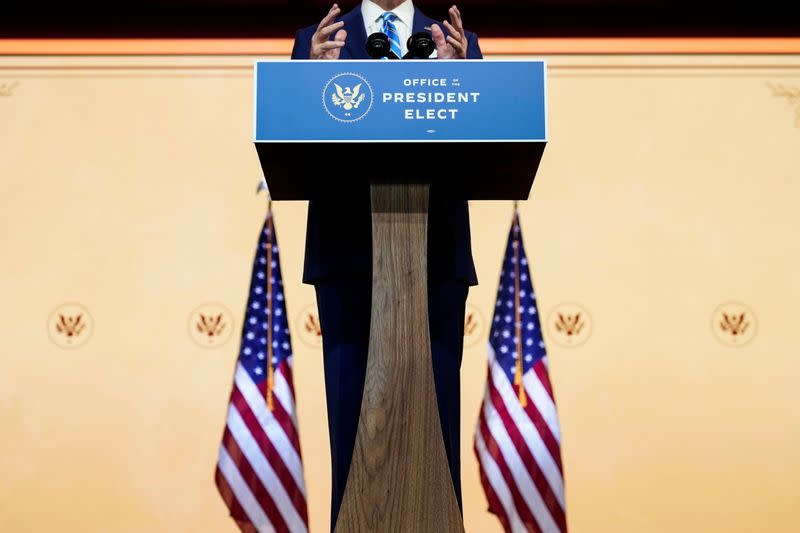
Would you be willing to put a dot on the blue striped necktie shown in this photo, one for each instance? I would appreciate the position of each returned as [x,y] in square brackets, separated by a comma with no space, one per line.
[390,30]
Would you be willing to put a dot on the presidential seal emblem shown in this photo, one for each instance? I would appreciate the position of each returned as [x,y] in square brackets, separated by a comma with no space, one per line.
[210,325]
[569,325]
[70,325]
[347,97]
[734,324]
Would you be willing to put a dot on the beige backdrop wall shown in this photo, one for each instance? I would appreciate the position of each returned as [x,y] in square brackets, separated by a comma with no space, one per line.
[667,196]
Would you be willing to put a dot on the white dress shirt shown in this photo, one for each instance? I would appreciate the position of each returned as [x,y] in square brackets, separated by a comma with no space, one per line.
[372,13]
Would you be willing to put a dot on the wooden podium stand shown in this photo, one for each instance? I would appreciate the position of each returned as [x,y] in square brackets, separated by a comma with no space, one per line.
[399,478]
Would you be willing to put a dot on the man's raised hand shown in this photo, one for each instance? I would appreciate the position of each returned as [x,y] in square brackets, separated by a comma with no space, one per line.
[321,45]
[455,45]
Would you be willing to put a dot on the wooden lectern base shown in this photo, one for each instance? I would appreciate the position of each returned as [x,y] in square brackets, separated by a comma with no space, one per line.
[399,479]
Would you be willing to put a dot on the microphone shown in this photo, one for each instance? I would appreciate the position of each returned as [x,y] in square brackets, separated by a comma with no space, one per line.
[420,46]
[378,46]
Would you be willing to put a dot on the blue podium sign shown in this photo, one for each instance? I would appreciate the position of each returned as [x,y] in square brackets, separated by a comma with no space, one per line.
[400,101]
[480,127]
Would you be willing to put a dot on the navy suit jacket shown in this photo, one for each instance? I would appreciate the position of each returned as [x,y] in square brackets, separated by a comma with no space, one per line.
[339,237]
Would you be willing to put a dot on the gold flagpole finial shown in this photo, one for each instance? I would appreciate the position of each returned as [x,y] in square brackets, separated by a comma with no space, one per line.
[262,186]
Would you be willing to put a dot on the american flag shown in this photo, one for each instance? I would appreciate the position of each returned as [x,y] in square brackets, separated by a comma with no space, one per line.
[517,440]
[260,471]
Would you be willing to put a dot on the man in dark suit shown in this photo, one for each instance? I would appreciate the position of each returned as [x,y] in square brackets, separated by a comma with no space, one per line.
[338,259]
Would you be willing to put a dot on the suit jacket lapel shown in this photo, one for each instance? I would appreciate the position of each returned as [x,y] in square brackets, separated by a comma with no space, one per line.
[356,42]
[421,22]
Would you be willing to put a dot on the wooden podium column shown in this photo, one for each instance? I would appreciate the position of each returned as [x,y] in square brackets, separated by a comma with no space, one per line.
[399,479]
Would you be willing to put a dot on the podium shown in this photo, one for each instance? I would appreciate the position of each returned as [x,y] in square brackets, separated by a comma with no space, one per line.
[480,127]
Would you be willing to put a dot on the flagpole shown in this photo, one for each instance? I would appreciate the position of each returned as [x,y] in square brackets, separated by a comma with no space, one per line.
[523,399]
[270,365]
[262,186]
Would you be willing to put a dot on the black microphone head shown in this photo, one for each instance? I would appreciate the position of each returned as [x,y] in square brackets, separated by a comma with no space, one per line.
[420,45]
[378,46]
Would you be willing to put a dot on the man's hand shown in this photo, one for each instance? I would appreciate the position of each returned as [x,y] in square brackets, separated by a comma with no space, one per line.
[455,46]
[321,45]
